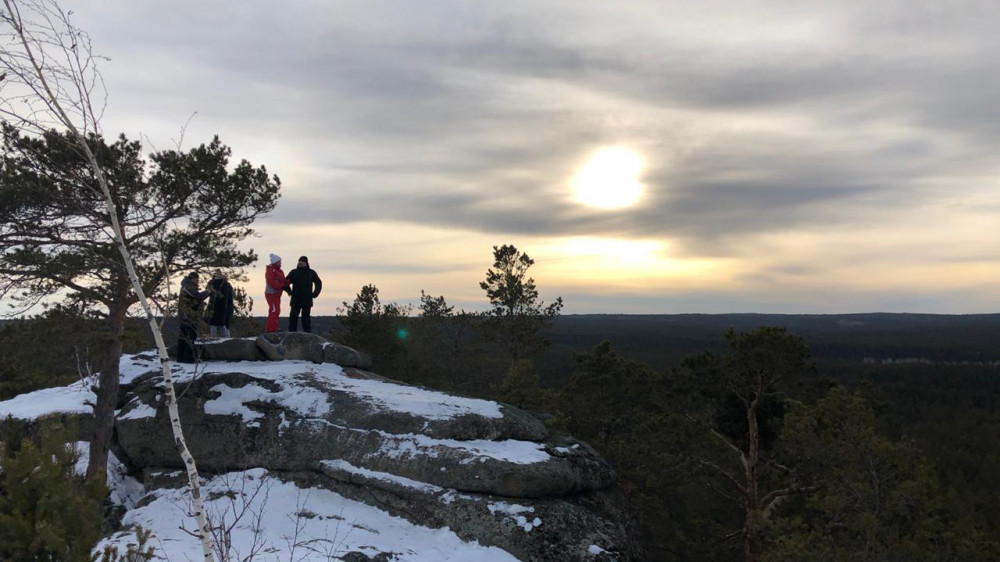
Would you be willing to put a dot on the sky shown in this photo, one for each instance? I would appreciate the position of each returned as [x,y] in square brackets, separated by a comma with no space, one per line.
[758,156]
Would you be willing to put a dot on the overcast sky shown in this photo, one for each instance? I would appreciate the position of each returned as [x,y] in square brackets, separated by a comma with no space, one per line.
[837,156]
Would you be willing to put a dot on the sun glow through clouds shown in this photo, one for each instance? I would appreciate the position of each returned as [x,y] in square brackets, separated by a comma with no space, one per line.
[609,180]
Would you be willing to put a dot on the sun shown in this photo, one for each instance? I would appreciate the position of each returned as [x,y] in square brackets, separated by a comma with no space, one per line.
[609,180]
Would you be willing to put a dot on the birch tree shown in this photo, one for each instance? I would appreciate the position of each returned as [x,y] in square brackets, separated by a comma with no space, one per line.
[49,82]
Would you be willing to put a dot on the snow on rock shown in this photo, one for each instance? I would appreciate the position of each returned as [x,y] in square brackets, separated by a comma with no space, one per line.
[383,476]
[73,399]
[509,450]
[124,490]
[417,401]
[278,517]
[515,512]
[318,443]
[138,411]
[380,394]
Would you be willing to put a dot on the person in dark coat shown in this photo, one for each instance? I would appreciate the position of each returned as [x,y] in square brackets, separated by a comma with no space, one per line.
[220,305]
[189,314]
[304,286]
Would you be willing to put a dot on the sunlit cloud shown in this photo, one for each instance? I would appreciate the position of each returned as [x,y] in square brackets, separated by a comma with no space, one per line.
[783,156]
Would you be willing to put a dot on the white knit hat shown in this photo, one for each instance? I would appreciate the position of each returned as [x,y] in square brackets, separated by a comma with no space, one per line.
[275,258]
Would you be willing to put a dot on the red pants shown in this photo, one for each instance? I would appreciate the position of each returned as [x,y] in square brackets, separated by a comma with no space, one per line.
[273,311]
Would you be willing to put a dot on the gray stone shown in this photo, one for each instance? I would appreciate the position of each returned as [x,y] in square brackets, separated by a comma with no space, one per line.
[276,346]
[229,349]
[282,440]
[270,350]
[310,347]
[356,556]
[560,529]
[552,502]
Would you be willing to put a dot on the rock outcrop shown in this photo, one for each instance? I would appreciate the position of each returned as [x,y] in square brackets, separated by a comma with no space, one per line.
[489,472]
[281,346]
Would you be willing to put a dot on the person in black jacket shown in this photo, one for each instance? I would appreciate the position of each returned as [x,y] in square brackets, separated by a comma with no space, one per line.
[304,286]
[220,305]
[189,313]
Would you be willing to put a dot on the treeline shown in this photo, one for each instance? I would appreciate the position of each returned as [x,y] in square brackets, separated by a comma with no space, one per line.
[748,450]
[752,449]
[755,451]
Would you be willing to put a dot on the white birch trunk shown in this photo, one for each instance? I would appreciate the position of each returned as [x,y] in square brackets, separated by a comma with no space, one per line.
[53,101]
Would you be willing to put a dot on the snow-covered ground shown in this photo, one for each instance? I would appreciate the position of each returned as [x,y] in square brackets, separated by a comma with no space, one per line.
[275,520]
[279,521]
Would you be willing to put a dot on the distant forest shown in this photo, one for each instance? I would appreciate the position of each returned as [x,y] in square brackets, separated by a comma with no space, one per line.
[664,339]
[881,428]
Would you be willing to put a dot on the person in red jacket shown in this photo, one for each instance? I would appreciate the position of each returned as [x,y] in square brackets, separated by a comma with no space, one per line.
[275,279]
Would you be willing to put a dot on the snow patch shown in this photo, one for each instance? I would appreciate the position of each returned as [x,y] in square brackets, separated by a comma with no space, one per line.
[329,524]
[383,476]
[231,402]
[124,490]
[139,410]
[381,395]
[72,399]
[514,512]
[509,450]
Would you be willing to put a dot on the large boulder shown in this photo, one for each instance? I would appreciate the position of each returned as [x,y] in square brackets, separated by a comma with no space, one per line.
[301,415]
[229,349]
[278,346]
[484,472]
[310,347]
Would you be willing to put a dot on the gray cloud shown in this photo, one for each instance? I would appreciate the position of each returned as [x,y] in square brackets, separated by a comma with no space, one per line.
[764,118]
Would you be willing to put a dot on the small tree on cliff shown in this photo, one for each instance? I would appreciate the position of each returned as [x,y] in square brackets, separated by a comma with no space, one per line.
[376,328]
[517,315]
[98,200]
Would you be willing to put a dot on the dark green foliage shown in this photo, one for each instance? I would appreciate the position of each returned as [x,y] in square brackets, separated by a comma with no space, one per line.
[629,413]
[47,512]
[517,316]
[444,346]
[185,209]
[140,551]
[521,387]
[377,329]
[877,499]
[177,211]
[54,348]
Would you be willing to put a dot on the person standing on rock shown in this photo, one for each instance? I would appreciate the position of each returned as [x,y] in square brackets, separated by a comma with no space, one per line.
[220,305]
[189,314]
[304,286]
[275,283]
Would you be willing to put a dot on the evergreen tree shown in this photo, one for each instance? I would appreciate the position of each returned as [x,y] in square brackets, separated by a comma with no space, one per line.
[439,343]
[740,421]
[376,328]
[47,511]
[177,210]
[875,499]
[628,412]
[517,316]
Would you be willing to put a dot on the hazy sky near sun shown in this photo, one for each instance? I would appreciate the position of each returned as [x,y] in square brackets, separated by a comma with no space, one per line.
[817,156]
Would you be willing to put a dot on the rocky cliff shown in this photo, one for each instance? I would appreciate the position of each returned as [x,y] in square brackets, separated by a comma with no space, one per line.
[299,415]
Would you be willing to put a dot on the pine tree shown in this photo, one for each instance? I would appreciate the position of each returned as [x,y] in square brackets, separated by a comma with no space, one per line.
[47,511]
[517,316]
[376,328]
